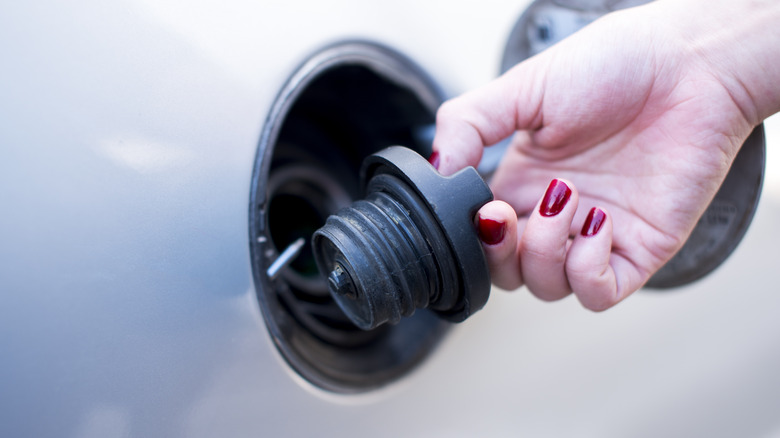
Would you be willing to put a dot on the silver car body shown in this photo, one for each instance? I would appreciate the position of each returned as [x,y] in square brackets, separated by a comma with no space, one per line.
[128,131]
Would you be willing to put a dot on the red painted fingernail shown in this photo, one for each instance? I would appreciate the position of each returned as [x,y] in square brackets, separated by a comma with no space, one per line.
[593,222]
[434,160]
[555,198]
[491,231]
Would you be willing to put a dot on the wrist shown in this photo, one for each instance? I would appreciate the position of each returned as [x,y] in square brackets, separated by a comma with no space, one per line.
[738,42]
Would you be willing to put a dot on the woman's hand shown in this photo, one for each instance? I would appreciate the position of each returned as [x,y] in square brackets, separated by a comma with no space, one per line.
[622,135]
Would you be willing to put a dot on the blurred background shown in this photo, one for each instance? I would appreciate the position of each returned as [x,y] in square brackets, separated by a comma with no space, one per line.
[128,131]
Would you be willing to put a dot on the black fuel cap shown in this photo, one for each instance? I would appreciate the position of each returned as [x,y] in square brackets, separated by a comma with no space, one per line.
[409,244]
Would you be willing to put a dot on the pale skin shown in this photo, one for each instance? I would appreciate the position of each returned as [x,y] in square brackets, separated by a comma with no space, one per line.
[641,115]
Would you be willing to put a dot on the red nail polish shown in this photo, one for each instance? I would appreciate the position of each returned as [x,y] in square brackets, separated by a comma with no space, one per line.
[434,160]
[491,231]
[555,198]
[593,222]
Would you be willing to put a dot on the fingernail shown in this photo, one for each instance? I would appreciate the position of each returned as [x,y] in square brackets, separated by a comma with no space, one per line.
[555,198]
[593,222]
[491,231]
[434,160]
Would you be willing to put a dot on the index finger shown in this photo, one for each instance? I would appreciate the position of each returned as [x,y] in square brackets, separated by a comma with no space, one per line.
[487,115]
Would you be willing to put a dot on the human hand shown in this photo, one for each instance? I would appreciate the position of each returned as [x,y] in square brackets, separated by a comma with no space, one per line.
[638,117]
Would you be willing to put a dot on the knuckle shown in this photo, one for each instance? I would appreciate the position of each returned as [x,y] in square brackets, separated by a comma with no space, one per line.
[447,111]
[596,296]
[548,293]
[579,270]
[508,282]
[541,250]
[598,305]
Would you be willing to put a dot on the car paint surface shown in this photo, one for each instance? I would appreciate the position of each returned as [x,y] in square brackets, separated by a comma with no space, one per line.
[128,131]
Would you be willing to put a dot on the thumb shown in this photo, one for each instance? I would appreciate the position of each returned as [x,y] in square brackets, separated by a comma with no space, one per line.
[487,115]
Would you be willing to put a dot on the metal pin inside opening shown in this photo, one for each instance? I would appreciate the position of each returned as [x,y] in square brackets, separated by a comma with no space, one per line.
[285,258]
